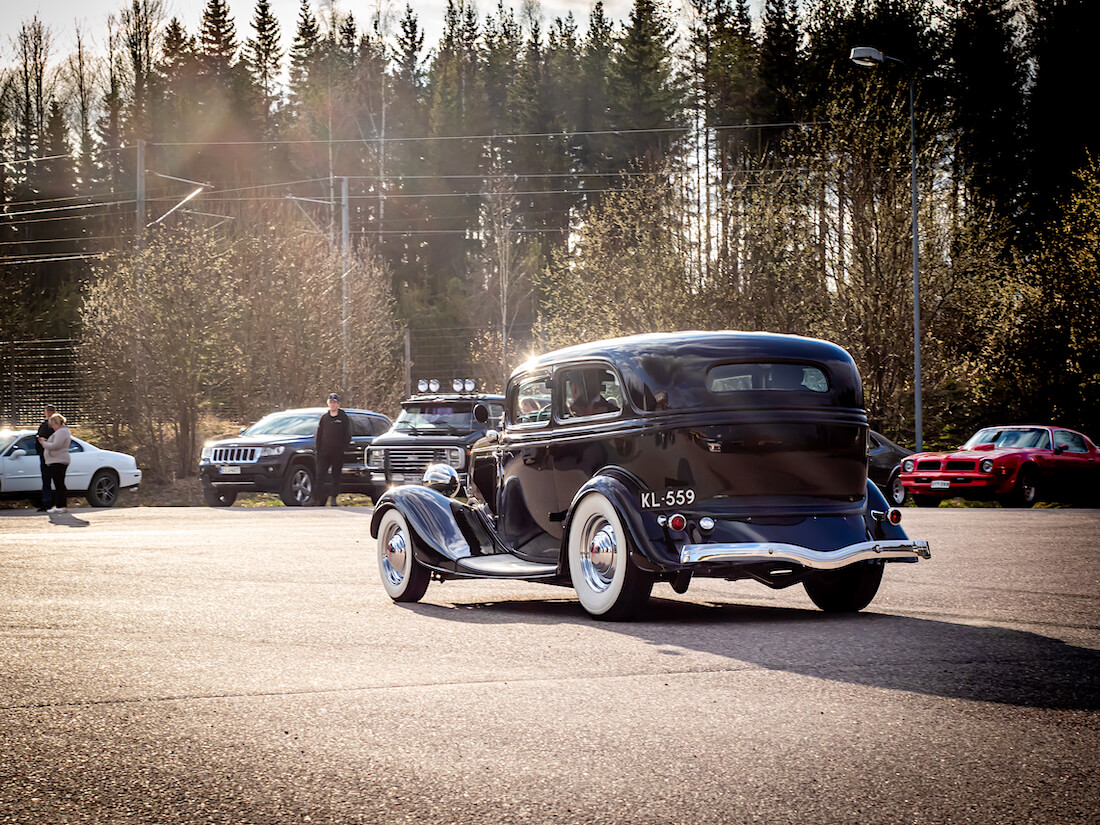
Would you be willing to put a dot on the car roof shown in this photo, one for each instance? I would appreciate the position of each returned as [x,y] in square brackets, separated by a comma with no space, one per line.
[319,410]
[676,363]
[723,343]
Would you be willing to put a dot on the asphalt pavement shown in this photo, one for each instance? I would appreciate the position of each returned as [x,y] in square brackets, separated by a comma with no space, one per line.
[198,665]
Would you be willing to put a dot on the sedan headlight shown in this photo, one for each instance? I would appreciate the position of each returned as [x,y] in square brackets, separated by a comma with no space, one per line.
[376,460]
[908,465]
[986,465]
[266,451]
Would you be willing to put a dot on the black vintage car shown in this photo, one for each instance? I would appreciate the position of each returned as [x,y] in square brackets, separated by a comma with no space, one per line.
[275,455]
[660,458]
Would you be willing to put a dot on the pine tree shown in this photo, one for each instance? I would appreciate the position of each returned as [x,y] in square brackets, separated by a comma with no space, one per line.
[780,67]
[264,58]
[218,42]
[647,92]
[303,55]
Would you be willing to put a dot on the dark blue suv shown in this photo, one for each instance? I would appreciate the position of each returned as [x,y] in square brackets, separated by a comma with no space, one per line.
[275,455]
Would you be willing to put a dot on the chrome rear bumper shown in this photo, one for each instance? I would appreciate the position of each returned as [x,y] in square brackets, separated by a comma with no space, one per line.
[764,552]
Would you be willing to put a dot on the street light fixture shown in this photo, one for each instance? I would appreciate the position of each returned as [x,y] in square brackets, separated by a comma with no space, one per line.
[870,57]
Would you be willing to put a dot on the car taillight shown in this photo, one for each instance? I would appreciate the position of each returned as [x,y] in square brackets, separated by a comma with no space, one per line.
[893,515]
[677,522]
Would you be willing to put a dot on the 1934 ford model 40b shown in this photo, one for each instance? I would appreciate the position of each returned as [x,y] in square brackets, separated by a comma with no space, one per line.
[660,458]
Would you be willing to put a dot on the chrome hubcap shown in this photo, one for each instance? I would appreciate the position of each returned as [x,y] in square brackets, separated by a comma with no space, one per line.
[599,554]
[394,556]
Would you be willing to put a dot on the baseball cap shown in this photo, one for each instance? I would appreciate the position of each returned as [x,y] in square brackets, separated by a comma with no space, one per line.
[333,397]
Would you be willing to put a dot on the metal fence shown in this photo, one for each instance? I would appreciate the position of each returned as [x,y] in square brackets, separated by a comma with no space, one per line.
[50,371]
[36,373]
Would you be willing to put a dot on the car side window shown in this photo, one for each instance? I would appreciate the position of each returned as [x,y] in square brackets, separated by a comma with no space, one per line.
[1073,442]
[25,443]
[379,425]
[75,448]
[530,403]
[360,425]
[589,391]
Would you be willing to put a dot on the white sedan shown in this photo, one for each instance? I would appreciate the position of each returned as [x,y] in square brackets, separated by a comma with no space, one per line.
[97,474]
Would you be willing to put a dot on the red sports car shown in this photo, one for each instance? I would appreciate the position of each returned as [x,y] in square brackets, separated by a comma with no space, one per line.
[1016,465]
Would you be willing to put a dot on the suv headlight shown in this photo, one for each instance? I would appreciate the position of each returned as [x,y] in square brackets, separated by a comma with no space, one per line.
[266,451]
[207,452]
[375,460]
[908,465]
[456,457]
[986,465]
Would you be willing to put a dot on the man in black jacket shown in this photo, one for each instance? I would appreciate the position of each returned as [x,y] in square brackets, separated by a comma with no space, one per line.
[332,439]
[45,431]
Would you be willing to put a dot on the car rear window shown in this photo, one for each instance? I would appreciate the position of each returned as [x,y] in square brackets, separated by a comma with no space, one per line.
[784,377]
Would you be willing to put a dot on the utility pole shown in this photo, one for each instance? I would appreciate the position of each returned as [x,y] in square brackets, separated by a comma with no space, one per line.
[345,254]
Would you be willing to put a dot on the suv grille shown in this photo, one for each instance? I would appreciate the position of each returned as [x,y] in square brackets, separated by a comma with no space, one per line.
[415,460]
[235,455]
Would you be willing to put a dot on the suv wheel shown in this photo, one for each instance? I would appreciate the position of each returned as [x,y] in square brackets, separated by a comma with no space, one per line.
[298,487]
[217,498]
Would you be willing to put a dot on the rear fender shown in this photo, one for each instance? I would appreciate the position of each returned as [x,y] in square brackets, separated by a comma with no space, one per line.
[878,527]
[623,491]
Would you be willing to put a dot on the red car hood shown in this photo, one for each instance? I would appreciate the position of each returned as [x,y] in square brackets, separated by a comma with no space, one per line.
[967,455]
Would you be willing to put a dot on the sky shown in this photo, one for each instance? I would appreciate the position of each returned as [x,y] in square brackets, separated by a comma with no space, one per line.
[62,16]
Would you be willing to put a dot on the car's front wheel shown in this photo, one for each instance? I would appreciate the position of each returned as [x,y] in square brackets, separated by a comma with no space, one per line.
[217,498]
[607,583]
[403,577]
[103,491]
[298,488]
[1026,491]
[845,590]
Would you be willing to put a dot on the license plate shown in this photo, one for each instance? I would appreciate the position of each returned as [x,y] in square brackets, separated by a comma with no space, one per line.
[654,499]
[941,485]
[230,470]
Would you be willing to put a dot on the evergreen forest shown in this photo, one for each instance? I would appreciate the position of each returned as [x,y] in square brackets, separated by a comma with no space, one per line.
[229,227]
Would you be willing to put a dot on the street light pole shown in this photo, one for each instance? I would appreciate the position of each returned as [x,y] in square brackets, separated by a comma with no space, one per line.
[871,57]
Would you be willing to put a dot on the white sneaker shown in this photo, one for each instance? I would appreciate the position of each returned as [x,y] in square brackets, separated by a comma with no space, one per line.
[53,510]
[62,509]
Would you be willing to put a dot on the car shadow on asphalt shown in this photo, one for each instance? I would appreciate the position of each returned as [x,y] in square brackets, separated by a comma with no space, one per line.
[926,656]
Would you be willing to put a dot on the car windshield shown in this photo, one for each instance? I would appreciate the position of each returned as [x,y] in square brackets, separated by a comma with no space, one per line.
[285,424]
[6,439]
[1008,437]
[447,417]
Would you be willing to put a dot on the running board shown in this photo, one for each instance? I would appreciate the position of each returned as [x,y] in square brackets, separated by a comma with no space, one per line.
[505,566]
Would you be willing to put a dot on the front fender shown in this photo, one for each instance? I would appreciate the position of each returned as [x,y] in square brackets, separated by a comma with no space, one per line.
[436,523]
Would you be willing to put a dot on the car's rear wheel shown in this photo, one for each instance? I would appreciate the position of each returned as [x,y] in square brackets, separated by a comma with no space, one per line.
[217,498]
[103,491]
[926,501]
[607,583]
[845,590]
[895,490]
[1026,491]
[403,577]
[298,488]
